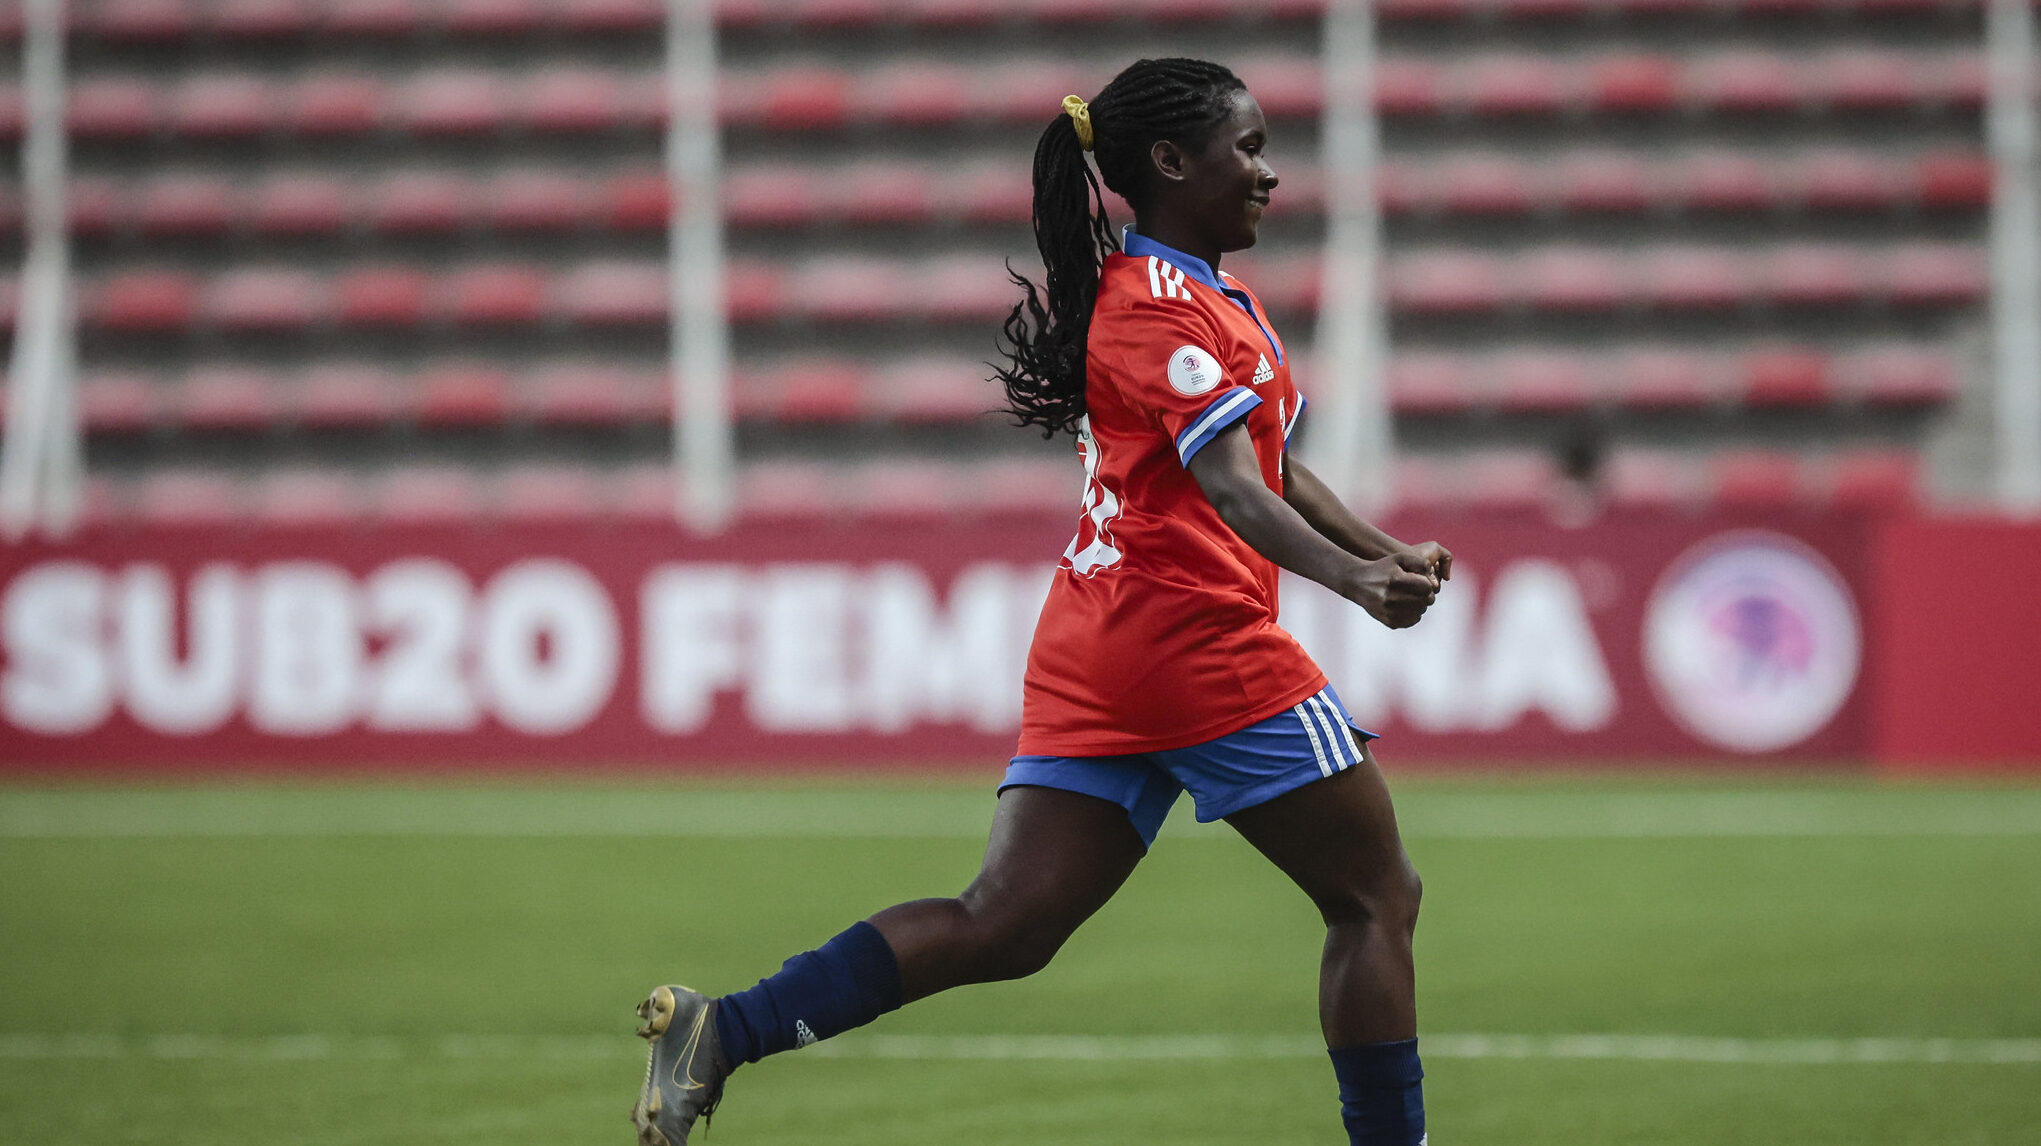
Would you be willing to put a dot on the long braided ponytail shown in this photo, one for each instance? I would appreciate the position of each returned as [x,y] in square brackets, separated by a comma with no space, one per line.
[1179,100]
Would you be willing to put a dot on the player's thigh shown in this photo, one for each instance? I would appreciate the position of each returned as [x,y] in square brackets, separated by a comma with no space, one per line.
[1054,857]
[1337,839]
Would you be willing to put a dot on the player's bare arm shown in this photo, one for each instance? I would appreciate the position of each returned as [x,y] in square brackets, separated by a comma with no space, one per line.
[1395,588]
[1316,502]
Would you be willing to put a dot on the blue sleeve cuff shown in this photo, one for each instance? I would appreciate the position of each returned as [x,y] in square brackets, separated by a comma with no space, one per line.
[1225,410]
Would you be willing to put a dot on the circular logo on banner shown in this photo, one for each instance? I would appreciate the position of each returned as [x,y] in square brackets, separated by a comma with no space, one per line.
[1752,641]
[1193,371]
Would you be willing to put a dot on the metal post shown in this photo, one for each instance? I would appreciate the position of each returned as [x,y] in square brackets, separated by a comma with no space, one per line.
[41,467]
[2015,256]
[704,447]
[1351,436]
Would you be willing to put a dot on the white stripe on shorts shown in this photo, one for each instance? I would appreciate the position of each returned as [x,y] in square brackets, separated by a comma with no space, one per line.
[1317,749]
[1318,709]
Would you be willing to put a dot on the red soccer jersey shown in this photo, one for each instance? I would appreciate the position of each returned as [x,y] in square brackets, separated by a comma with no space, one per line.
[1160,629]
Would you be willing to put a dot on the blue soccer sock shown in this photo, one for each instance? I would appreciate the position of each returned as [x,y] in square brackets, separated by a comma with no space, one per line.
[845,983]
[1381,1093]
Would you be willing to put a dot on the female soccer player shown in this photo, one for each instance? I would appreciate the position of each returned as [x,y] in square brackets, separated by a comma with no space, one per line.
[1157,665]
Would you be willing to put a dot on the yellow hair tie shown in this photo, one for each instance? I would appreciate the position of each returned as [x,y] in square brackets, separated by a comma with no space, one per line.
[1080,115]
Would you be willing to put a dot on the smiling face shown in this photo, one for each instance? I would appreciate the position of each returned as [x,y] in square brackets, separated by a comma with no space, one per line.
[1218,191]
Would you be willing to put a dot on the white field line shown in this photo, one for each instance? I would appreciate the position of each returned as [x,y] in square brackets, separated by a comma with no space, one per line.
[541,814]
[1049,1048]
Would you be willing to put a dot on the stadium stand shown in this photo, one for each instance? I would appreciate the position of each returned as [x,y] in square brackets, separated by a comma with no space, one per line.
[402,260]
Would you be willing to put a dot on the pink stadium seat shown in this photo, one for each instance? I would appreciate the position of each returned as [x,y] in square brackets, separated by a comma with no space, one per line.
[1848,181]
[1484,185]
[10,209]
[381,296]
[143,302]
[499,295]
[794,99]
[10,23]
[428,495]
[300,497]
[1781,377]
[419,203]
[1602,182]
[1653,479]
[96,206]
[339,395]
[113,108]
[1899,375]
[840,13]
[336,104]
[454,103]
[1945,181]
[1429,383]
[634,201]
[187,205]
[1722,181]
[1404,188]
[189,498]
[1654,379]
[1541,381]
[226,398]
[608,17]
[461,395]
[879,193]
[612,294]
[906,488]
[222,106]
[788,489]
[595,394]
[755,291]
[300,205]
[641,492]
[1812,276]
[569,100]
[1934,275]
[1858,81]
[932,390]
[962,288]
[1513,85]
[1573,280]
[1685,278]
[10,112]
[949,13]
[1874,479]
[537,200]
[260,19]
[815,391]
[1027,91]
[1445,282]
[544,494]
[490,17]
[1629,84]
[156,21]
[911,94]
[1742,83]
[118,402]
[849,289]
[1507,479]
[996,195]
[1026,486]
[1408,87]
[265,299]
[1756,478]
[389,19]
[1286,87]
[1956,79]
[771,196]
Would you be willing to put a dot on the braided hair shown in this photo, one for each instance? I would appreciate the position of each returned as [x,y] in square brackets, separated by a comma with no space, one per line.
[1178,100]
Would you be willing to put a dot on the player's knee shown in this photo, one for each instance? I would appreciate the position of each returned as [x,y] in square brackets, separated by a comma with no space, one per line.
[1013,945]
[1387,899]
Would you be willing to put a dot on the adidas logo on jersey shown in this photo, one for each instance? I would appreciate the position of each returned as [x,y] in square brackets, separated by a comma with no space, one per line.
[1263,371]
[803,1036]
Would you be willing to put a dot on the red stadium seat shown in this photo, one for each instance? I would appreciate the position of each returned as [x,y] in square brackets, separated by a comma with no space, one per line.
[1602,183]
[189,498]
[1924,275]
[572,100]
[1756,478]
[539,493]
[1680,278]
[265,299]
[608,17]
[906,488]
[113,108]
[1407,87]
[595,394]
[1900,375]
[1782,377]
[775,196]
[336,104]
[840,13]
[1574,280]
[1722,181]
[1811,276]
[454,103]
[962,288]
[260,19]
[1026,91]
[227,398]
[1513,85]
[879,193]
[1665,379]
[222,106]
[1026,486]
[10,112]
[530,200]
[490,17]
[849,289]
[187,205]
[1743,83]
[1956,79]
[1541,381]
[300,205]
[339,395]
[381,296]
[755,291]
[1632,84]
[1848,181]
[793,99]
[121,402]
[1484,185]
[1508,479]
[428,495]
[949,13]
[1860,81]
[389,19]
[1953,181]
[1445,282]
[96,206]
[143,302]
[643,492]
[300,497]
[991,195]
[1429,383]
[149,21]
[1653,479]
[1286,87]
[502,295]
[775,490]
[10,209]
[1874,479]
[419,203]
[815,391]
[461,395]
[912,94]
[613,294]
[932,390]
[634,201]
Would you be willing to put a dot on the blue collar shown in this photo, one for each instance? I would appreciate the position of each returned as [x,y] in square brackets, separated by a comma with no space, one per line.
[1140,246]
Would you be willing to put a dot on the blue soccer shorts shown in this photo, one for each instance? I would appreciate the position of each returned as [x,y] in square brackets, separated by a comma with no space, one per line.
[1311,741]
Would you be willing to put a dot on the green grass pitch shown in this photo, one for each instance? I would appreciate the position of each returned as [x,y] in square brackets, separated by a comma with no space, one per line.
[1671,962]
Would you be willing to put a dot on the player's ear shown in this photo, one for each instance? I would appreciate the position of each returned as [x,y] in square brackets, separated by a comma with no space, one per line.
[1169,160]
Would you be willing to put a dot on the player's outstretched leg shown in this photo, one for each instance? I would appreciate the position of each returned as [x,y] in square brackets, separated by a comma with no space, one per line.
[1053,859]
[1337,839]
